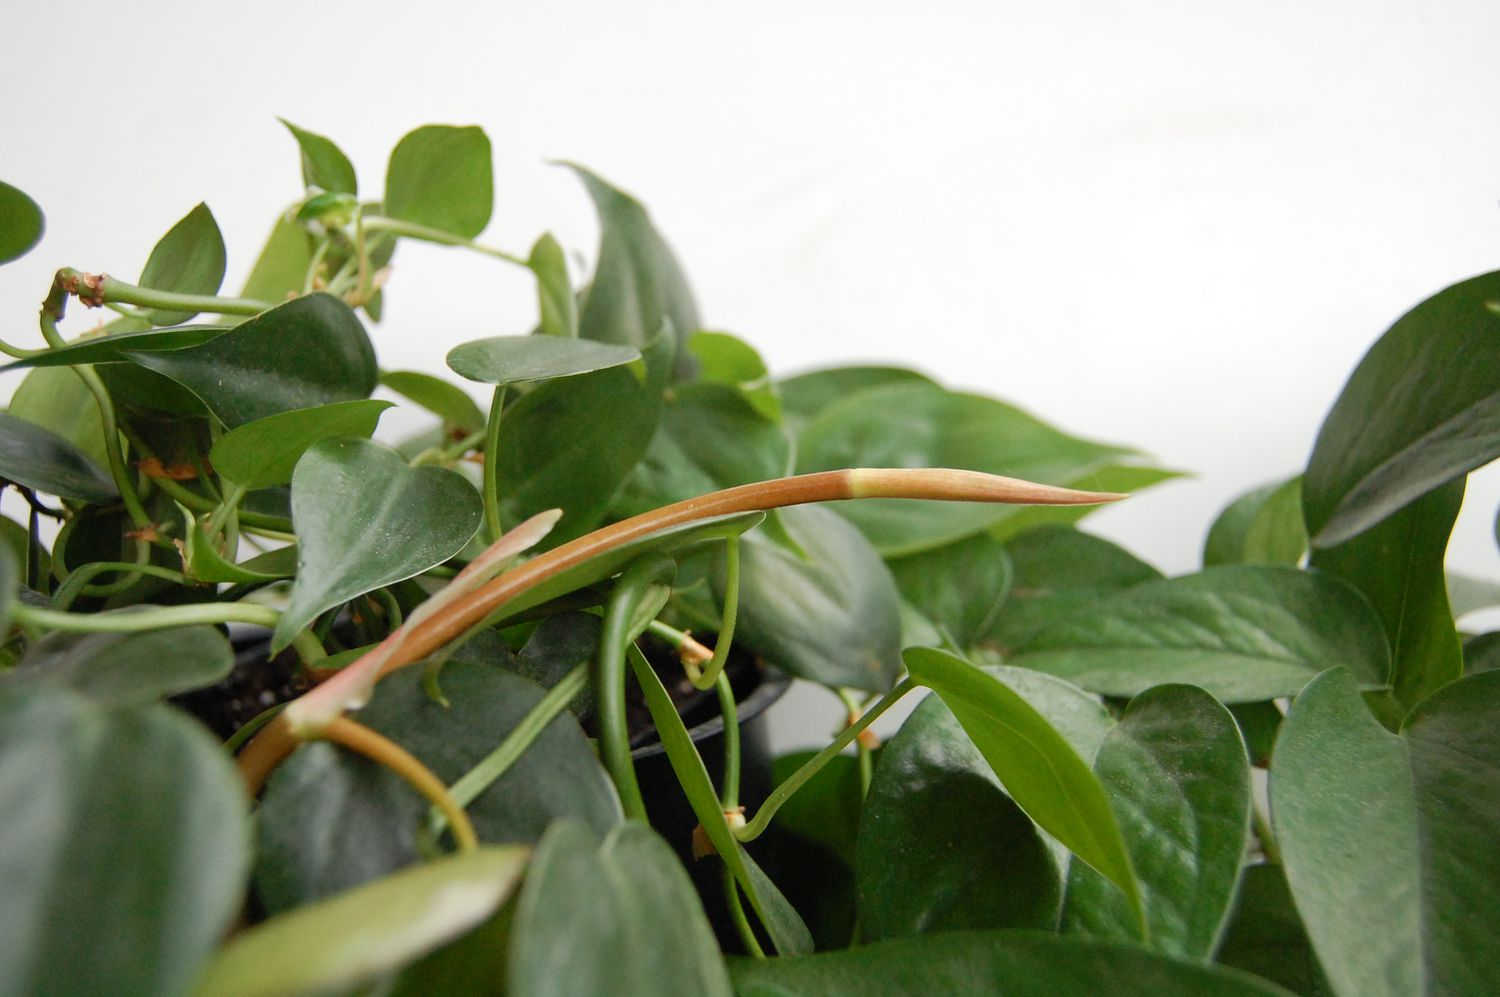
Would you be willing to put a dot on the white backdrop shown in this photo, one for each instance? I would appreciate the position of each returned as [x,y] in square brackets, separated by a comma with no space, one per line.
[1169,224]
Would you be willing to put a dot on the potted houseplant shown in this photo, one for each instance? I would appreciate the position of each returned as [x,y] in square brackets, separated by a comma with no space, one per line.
[1073,809]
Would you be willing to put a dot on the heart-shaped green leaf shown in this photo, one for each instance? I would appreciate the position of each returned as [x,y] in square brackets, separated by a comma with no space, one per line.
[189,259]
[1245,633]
[819,602]
[913,424]
[40,459]
[126,668]
[590,919]
[1262,526]
[959,587]
[324,165]
[1059,570]
[308,352]
[1178,779]
[355,937]
[448,401]
[1388,840]
[1422,408]
[263,453]
[21,223]
[571,443]
[710,437]
[123,849]
[1013,963]
[556,301]
[365,519]
[511,359]
[1399,566]
[1040,770]
[637,284]
[332,820]
[441,176]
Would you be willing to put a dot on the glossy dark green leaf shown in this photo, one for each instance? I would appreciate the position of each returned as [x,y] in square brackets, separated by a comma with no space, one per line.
[823,607]
[617,917]
[1245,633]
[1178,779]
[1059,570]
[941,846]
[556,302]
[1399,566]
[812,838]
[571,443]
[58,400]
[806,395]
[1388,840]
[357,936]
[324,165]
[123,848]
[118,347]
[442,177]
[40,459]
[437,396]
[21,223]
[919,425]
[729,360]
[511,359]
[281,269]
[1422,408]
[1013,963]
[1122,479]
[1040,769]
[127,669]
[263,453]
[959,587]
[308,352]
[637,283]
[710,437]
[332,820]
[1262,526]
[365,519]
[189,259]
[1266,937]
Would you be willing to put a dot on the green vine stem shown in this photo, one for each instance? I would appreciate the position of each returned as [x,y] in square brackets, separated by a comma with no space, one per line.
[77,582]
[492,465]
[494,765]
[737,915]
[164,617]
[614,641]
[729,796]
[814,765]
[382,750]
[709,676]
[99,289]
[411,230]
[863,745]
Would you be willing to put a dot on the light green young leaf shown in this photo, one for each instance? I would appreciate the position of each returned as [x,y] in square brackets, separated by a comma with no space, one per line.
[441,176]
[21,223]
[729,360]
[1388,840]
[1040,770]
[189,259]
[356,936]
[263,453]
[324,165]
[556,302]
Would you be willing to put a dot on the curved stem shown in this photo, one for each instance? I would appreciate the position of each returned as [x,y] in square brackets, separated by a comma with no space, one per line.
[494,765]
[163,617]
[97,289]
[77,582]
[737,915]
[378,748]
[729,796]
[784,792]
[715,666]
[614,640]
[492,465]
[411,230]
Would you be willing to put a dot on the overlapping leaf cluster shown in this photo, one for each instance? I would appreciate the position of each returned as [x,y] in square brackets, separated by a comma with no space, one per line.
[1081,807]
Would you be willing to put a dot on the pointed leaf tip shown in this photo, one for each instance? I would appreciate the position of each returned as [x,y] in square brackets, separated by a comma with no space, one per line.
[965,486]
